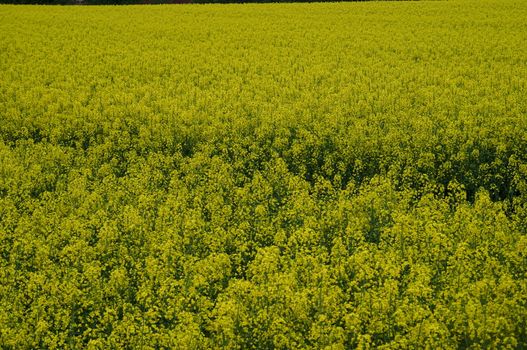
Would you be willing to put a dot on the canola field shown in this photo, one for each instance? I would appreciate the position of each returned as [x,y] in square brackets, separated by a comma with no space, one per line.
[278,176]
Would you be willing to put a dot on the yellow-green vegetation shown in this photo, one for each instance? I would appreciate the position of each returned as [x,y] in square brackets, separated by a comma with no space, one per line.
[302,176]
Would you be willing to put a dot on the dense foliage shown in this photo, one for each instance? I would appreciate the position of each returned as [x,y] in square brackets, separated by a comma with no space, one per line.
[264,177]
